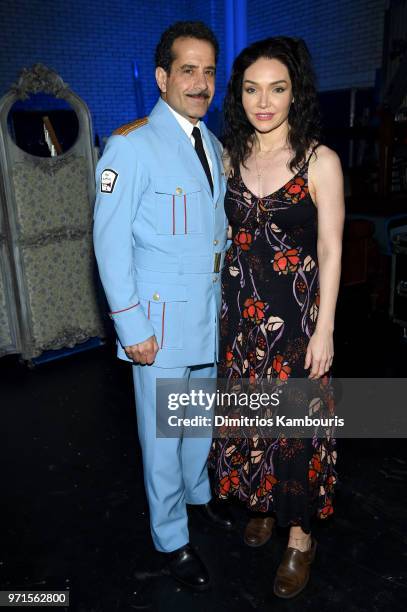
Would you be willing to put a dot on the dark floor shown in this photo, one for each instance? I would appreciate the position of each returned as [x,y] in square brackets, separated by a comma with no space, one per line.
[74,513]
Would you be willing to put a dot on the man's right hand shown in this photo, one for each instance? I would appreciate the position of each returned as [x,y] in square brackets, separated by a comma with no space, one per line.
[143,352]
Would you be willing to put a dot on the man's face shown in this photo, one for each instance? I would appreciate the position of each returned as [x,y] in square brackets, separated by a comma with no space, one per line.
[190,85]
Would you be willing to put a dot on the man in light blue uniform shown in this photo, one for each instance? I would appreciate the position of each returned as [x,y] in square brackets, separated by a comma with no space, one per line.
[160,238]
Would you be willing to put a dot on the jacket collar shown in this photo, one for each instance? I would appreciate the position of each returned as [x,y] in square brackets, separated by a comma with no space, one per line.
[162,119]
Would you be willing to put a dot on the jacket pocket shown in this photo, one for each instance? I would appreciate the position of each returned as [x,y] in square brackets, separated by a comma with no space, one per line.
[178,206]
[164,305]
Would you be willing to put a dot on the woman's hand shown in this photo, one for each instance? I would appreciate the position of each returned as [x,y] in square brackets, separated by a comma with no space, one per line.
[320,353]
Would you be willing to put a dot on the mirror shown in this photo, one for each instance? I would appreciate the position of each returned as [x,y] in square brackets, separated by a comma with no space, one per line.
[43,125]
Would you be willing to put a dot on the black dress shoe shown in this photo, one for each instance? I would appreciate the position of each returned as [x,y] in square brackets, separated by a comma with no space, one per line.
[187,568]
[216,514]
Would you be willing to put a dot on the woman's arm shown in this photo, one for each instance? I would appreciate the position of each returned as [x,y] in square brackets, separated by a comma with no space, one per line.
[326,188]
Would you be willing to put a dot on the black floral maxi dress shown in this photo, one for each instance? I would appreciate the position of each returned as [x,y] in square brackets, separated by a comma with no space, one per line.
[270,298]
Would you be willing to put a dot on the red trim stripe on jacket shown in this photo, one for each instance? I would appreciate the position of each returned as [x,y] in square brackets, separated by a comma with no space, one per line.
[124,309]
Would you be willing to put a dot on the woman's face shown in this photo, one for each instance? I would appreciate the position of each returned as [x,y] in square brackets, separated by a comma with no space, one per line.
[266,94]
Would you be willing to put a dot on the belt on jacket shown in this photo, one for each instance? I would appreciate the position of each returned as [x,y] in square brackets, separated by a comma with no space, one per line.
[191,264]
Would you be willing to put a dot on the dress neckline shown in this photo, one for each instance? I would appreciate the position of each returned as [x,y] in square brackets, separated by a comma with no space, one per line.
[273,192]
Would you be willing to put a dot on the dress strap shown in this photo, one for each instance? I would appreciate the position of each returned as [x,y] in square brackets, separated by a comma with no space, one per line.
[311,154]
[304,167]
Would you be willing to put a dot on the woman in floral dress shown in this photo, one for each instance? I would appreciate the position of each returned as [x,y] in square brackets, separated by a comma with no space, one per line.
[279,287]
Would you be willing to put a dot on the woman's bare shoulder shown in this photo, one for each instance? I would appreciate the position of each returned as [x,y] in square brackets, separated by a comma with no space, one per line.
[324,172]
[323,157]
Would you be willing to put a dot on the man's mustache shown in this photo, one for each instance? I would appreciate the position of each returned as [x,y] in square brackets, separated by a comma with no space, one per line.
[201,94]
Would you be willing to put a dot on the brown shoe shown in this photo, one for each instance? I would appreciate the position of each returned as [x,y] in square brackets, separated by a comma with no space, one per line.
[258,531]
[294,570]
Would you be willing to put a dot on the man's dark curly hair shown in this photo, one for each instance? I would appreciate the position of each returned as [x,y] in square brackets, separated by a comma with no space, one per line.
[182,29]
[303,117]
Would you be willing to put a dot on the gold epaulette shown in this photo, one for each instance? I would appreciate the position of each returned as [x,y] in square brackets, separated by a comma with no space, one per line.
[129,127]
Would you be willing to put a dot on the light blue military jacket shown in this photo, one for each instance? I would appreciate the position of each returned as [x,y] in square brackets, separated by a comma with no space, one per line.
[160,238]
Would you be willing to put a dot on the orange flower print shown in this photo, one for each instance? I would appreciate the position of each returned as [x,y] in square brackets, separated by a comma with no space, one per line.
[231,481]
[253,310]
[294,188]
[330,481]
[300,286]
[237,458]
[315,468]
[251,357]
[269,482]
[281,368]
[286,261]
[243,239]
[297,189]
[326,510]
[266,484]
[228,357]
[261,343]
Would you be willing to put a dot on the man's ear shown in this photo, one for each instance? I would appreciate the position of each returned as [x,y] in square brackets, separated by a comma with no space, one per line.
[161,78]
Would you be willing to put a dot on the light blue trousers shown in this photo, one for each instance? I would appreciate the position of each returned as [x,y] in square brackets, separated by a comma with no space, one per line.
[175,470]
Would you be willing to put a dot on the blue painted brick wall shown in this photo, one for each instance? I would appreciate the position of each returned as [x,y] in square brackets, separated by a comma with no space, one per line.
[92,45]
[345,37]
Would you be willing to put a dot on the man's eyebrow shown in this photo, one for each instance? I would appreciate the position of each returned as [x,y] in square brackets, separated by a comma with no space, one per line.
[195,66]
[272,83]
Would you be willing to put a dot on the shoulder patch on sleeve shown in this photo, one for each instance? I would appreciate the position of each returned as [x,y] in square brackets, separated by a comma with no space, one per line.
[129,127]
[108,180]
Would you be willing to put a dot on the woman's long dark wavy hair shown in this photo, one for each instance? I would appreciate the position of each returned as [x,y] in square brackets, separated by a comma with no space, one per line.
[303,117]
